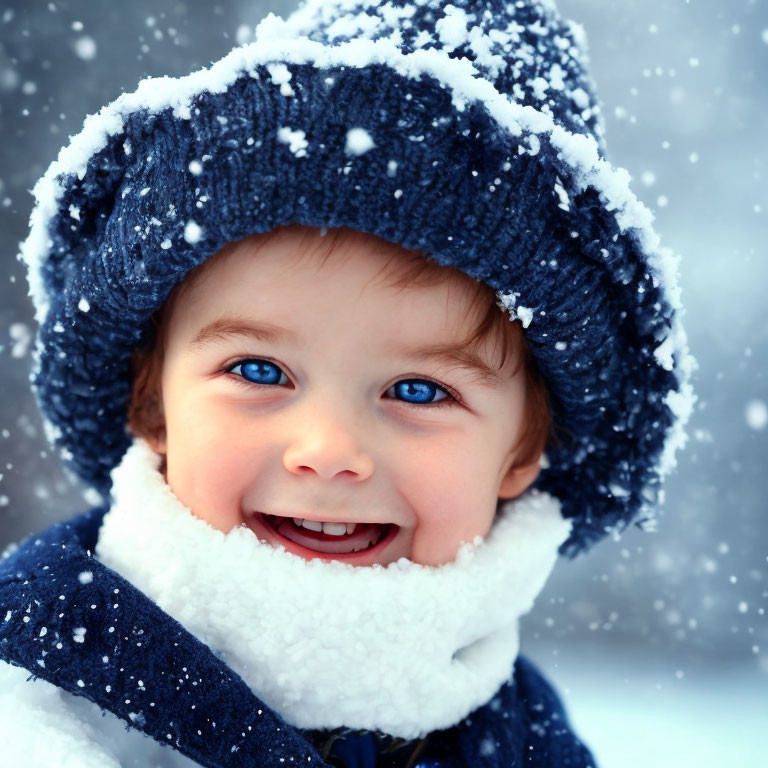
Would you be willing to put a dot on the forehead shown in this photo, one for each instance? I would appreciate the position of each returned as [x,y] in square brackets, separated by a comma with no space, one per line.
[353,295]
[341,269]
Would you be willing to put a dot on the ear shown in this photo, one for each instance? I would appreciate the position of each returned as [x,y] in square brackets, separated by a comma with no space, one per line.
[149,423]
[518,478]
[146,414]
[157,441]
[155,432]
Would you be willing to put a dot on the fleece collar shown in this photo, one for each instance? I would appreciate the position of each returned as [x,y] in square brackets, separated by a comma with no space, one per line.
[75,623]
[404,649]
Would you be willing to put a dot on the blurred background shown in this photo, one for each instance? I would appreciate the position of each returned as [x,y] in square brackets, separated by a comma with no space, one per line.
[658,642]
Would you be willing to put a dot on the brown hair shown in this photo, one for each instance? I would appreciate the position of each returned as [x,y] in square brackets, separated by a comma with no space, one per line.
[493,329]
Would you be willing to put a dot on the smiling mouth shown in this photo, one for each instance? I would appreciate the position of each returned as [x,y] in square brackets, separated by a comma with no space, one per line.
[365,539]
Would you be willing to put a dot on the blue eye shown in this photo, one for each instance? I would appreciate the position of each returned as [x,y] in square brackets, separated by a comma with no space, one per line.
[259,372]
[410,391]
[418,391]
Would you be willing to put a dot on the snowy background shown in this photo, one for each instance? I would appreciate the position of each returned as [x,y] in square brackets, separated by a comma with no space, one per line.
[659,641]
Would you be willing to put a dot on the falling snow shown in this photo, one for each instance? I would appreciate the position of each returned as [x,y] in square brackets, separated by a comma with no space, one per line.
[699,613]
[756,414]
[244,34]
[21,335]
[85,48]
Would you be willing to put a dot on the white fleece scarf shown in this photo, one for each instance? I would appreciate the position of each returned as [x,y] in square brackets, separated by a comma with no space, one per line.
[404,649]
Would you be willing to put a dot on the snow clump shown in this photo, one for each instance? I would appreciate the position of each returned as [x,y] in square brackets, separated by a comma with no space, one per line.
[359,142]
[294,139]
[452,28]
[508,302]
[280,75]
[192,232]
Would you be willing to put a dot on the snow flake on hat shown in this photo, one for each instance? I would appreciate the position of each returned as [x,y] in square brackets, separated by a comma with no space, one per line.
[452,28]
[193,232]
[295,140]
[358,142]
[281,76]
[508,302]
[362,25]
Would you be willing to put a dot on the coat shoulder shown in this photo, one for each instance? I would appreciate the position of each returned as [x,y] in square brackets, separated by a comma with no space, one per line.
[20,560]
[551,743]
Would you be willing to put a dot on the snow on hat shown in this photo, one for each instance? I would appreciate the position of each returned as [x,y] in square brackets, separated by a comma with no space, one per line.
[467,130]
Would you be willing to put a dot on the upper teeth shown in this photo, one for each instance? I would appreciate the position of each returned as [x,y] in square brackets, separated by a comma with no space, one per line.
[333,529]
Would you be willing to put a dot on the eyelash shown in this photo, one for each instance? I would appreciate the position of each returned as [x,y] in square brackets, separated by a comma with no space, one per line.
[453,398]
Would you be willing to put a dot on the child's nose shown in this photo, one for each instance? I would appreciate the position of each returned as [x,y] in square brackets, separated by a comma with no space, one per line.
[327,449]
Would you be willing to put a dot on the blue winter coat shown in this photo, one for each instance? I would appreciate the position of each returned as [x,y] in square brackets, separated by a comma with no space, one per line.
[62,613]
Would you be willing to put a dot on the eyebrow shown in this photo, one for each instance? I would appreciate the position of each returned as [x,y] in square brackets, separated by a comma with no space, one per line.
[457,356]
[234,326]
[454,355]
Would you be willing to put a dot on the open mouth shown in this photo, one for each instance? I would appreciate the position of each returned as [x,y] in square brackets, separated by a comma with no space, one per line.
[337,539]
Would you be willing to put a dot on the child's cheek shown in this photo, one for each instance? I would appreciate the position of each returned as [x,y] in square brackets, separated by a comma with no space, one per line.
[210,465]
[451,495]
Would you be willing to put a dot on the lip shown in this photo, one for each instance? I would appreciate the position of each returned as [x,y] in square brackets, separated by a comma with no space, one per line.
[263,530]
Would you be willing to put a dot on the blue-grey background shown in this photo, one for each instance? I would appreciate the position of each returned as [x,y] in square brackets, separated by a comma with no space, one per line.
[658,642]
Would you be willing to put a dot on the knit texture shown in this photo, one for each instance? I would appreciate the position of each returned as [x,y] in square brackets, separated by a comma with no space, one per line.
[466,130]
[70,620]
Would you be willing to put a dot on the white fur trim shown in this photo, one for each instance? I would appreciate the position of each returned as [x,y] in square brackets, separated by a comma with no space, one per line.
[401,650]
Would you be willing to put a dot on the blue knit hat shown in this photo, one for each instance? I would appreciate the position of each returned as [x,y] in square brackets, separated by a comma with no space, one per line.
[467,130]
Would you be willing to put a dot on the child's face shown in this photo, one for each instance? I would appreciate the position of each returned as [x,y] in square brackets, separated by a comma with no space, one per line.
[319,425]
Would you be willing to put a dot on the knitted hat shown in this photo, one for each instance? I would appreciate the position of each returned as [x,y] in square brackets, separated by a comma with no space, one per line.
[467,130]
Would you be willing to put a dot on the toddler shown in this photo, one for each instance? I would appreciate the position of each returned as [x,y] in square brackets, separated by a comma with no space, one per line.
[354,332]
